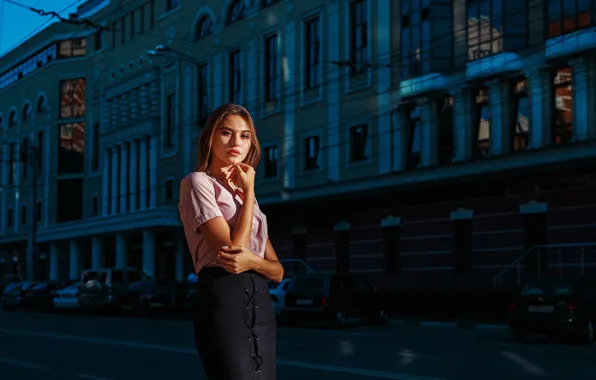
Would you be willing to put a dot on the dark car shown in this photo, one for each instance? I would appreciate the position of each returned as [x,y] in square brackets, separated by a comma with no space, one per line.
[151,296]
[332,298]
[554,306]
[41,296]
[107,288]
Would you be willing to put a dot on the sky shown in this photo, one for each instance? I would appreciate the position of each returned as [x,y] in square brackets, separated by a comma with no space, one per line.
[17,23]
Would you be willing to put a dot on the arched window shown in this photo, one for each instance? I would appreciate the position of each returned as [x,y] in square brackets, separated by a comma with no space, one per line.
[237,11]
[41,104]
[26,112]
[204,27]
[12,118]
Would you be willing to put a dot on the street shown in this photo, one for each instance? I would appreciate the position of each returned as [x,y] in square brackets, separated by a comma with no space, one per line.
[64,347]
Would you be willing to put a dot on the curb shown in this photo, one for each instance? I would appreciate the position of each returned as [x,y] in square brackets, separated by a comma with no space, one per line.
[463,324]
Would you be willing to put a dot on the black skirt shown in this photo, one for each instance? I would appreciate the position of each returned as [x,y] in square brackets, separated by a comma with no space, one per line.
[234,326]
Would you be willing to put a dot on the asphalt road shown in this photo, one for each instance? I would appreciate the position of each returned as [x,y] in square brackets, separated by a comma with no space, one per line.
[59,347]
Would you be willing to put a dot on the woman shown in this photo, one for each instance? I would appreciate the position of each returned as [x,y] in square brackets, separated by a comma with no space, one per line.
[227,236]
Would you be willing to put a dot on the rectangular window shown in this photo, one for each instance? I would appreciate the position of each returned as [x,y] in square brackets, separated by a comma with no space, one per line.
[446,130]
[25,156]
[131,16]
[271,158]
[23,215]
[170,120]
[38,211]
[416,38]
[235,77]
[71,153]
[169,190]
[76,47]
[271,67]
[72,98]
[358,35]
[311,153]
[521,115]
[12,163]
[40,152]
[9,218]
[482,127]
[123,30]
[563,105]
[203,93]
[98,37]
[359,143]
[485,28]
[312,54]
[70,200]
[414,136]
[567,16]
[94,205]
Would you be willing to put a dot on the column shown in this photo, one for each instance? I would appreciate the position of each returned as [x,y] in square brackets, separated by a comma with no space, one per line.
[400,127]
[383,49]
[97,253]
[299,242]
[149,253]
[75,260]
[462,139]
[391,232]
[289,144]
[54,262]
[132,184]
[124,178]
[115,179]
[463,239]
[501,122]
[581,127]
[179,262]
[540,126]
[143,169]
[152,172]
[121,251]
[333,94]
[105,196]
[341,232]
[429,132]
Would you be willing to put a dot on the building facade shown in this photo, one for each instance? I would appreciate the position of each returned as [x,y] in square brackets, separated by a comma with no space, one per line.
[425,142]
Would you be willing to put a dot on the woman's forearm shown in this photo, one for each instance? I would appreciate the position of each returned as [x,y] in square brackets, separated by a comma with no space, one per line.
[243,228]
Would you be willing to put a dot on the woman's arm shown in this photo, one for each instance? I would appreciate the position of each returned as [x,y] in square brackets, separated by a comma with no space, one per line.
[269,266]
[239,259]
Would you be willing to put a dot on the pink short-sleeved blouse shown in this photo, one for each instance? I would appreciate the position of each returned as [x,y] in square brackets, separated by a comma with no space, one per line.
[202,197]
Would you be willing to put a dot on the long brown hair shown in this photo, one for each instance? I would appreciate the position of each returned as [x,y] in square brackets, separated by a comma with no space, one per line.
[213,121]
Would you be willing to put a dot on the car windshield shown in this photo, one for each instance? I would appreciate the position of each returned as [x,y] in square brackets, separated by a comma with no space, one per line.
[74,286]
[14,286]
[549,289]
[309,283]
[94,276]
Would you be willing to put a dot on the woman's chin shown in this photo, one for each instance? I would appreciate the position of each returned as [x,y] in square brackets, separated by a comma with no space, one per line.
[233,160]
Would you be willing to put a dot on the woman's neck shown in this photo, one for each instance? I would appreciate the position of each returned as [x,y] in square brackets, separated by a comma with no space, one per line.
[219,171]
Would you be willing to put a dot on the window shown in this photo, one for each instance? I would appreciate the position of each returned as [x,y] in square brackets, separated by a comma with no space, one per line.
[72,98]
[204,27]
[9,218]
[521,115]
[40,151]
[95,144]
[25,155]
[271,67]
[203,94]
[416,38]
[23,215]
[94,205]
[271,159]
[70,200]
[482,127]
[169,190]
[312,54]
[414,137]
[98,37]
[38,211]
[26,112]
[563,105]
[76,47]
[41,104]
[235,77]
[237,11]
[358,35]
[485,28]
[566,16]
[358,143]
[12,164]
[311,153]
[172,4]
[12,118]
[446,130]
[71,154]
[170,119]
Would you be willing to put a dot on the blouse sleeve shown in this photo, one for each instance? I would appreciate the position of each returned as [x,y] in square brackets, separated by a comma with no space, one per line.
[198,203]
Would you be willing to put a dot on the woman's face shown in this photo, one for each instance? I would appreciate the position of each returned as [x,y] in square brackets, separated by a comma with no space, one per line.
[231,141]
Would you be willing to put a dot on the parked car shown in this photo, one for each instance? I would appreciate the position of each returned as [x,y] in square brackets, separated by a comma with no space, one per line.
[41,296]
[278,291]
[106,288]
[12,297]
[153,296]
[554,306]
[333,298]
[67,298]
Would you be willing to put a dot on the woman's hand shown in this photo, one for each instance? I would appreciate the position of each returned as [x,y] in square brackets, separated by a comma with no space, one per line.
[243,177]
[236,259]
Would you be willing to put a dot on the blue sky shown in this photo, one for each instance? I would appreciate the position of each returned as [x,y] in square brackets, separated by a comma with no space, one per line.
[17,23]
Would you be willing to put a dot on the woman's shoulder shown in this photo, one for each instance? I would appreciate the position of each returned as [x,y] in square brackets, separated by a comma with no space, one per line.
[197,178]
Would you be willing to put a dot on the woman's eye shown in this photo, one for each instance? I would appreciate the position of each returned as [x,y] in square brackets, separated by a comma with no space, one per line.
[245,136]
[226,133]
